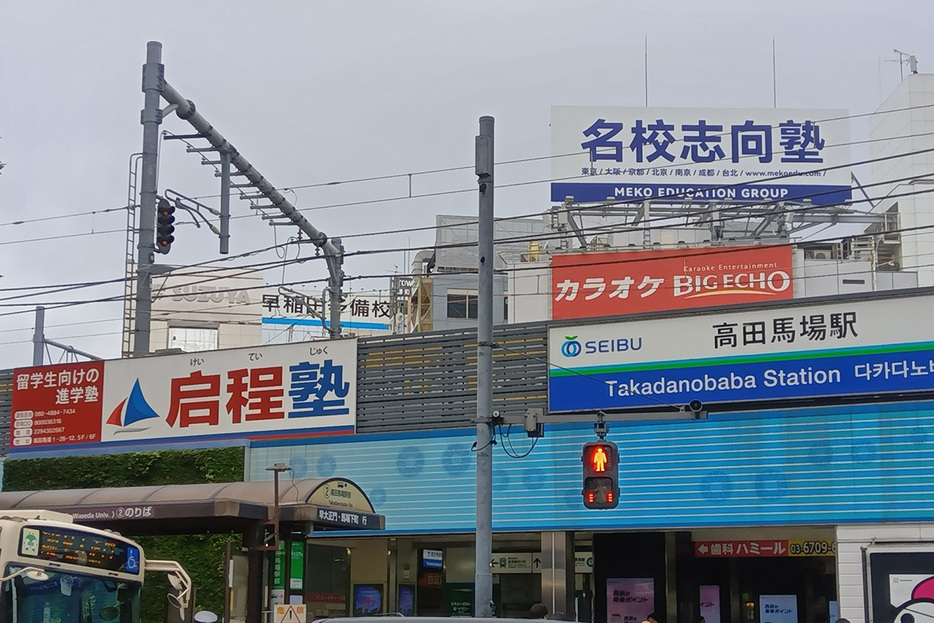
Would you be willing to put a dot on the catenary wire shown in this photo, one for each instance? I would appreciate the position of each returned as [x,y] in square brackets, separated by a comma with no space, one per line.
[537,237]
[461,191]
[554,156]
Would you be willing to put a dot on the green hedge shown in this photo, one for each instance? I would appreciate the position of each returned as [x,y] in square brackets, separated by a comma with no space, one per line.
[169,467]
[202,555]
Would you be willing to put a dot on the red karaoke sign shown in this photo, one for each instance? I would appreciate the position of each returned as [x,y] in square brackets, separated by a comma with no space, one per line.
[588,285]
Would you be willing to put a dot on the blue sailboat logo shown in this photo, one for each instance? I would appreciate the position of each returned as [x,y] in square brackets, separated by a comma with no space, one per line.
[137,410]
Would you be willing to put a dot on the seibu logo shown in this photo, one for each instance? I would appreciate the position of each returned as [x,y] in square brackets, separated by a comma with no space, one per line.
[761,283]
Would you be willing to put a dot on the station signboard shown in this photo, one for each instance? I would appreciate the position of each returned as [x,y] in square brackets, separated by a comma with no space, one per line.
[867,346]
[289,390]
[721,154]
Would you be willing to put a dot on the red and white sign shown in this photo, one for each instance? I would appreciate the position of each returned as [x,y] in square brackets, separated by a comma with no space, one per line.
[740,549]
[588,285]
[290,613]
[57,405]
[286,390]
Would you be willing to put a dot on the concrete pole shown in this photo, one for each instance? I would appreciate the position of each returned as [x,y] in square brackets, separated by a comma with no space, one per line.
[483,606]
[153,80]
[38,338]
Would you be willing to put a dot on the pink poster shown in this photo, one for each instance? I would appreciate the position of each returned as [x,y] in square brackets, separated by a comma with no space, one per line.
[629,600]
[710,603]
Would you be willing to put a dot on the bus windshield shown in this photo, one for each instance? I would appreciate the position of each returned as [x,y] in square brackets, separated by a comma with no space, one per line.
[62,597]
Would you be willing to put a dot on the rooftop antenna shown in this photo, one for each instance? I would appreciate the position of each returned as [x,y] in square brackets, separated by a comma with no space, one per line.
[774,83]
[645,57]
[911,59]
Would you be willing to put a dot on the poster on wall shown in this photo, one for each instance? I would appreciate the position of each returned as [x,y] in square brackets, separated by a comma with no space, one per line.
[460,601]
[778,608]
[710,603]
[407,600]
[296,565]
[900,580]
[367,599]
[629,600]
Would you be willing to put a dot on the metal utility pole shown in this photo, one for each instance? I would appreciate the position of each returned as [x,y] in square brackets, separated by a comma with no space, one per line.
[39,342]
[154,87]
[153,79]
[38,338]
[483,583]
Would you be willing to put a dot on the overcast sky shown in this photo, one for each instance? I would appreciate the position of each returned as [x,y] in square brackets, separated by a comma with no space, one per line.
[312,92]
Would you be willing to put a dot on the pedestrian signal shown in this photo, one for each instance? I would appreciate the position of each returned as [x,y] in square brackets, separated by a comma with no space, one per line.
[165,226]
[601,474]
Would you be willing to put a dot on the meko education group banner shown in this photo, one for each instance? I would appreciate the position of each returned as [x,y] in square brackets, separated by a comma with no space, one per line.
[725,154]
[864,346]
[288,390]
[588,285]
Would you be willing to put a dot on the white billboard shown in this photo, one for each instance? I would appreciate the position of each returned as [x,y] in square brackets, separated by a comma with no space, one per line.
[288,390]
[364,313]
[725,154]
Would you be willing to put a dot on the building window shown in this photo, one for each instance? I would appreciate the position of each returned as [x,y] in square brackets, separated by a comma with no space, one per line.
[462,304]
[192,339]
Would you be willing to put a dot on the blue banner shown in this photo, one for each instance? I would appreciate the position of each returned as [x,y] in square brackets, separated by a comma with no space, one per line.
[751,192]
[862,370]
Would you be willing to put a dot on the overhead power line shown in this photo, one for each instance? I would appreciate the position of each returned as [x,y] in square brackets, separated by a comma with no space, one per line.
[663,222]
[509,185]
[116,298]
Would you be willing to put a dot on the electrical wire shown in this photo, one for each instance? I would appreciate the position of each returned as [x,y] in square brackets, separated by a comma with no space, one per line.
[562,234]
[211,310]
[555,156]
[261,266]
[687,215]
[466,190]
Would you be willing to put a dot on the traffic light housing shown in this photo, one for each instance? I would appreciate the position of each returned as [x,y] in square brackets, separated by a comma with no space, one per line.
[165,226]
[601,474]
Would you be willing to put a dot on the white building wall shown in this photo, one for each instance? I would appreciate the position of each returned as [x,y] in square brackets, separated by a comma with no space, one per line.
[908,113]
[850,543]
[220,299]
[529,291]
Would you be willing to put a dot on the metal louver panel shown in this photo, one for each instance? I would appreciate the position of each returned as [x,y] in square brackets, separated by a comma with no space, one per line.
[428,381]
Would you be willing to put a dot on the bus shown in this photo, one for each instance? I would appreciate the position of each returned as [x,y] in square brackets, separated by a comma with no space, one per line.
[55,571]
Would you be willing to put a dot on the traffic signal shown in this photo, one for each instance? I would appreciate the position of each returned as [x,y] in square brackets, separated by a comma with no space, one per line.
[601,474]
[165,226]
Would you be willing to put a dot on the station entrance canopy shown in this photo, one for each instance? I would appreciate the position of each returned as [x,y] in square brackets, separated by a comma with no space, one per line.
[304,505]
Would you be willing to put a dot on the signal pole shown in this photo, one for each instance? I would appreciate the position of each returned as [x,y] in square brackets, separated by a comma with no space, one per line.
[483,582]
[153,79]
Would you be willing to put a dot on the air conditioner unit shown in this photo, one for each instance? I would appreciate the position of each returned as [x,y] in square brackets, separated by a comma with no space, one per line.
[817,254]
